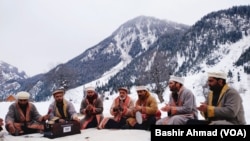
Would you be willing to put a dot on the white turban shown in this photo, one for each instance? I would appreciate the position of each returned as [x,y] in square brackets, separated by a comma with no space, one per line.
[23,95]
[177,79]
[217,74]
[90,88]
[141,88]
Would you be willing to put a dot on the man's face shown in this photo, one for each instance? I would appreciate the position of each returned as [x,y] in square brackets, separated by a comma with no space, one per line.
[122,94]
[141,94]
[58,97]
[22,101]
[213,84]
[172,86]
[90,93]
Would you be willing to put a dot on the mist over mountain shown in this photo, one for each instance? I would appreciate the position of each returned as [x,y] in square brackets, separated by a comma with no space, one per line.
[146,50]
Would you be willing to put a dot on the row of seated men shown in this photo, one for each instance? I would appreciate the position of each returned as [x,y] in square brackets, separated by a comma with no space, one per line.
[24,118]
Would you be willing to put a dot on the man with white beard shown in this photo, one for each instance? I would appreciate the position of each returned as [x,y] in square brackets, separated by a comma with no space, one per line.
[121,110]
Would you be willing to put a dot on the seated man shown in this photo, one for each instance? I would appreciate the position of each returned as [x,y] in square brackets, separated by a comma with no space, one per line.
[146,110]
[23,117]
[181,106]
[92,109]
[223,105]
[61,109]
[121,109]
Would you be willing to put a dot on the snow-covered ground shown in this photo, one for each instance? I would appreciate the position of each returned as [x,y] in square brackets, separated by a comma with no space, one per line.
[89,135]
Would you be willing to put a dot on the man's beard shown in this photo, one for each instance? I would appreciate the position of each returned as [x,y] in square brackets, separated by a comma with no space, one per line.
[122,98]
[173,89]
[91,98]
[141,97]
[215,88]
[59,101]
[23,105]
[175,96]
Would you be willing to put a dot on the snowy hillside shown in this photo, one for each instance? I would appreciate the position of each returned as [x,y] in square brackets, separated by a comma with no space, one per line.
[227,54]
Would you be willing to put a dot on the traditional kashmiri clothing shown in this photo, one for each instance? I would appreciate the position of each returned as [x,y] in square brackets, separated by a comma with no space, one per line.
[183,108]
[149,112]
[64,110]
[25,119]
[124,109]
[93,116]
[227,109]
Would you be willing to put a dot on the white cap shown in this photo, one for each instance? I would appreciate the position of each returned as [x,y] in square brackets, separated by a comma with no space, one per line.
[218,74]
[90,88]
[123,88]
[141,88]
[23,95]
[177,79]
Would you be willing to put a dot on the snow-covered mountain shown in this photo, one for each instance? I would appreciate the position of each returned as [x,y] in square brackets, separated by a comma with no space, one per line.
[113,54]
[9,77]
[146,50]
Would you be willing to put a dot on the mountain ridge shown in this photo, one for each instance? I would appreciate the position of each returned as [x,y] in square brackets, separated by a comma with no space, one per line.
[146,50]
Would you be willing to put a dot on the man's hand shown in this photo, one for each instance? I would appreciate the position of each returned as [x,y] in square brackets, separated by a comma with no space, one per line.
[137,108]
[89,107]
[166,108]
[202,107]
[61,120]
[45,117]
[75,118]
[11,128]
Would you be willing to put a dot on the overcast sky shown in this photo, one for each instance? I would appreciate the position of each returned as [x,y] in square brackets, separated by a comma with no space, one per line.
[37,35]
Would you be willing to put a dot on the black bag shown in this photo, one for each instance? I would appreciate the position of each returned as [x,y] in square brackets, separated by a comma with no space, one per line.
[61,129]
